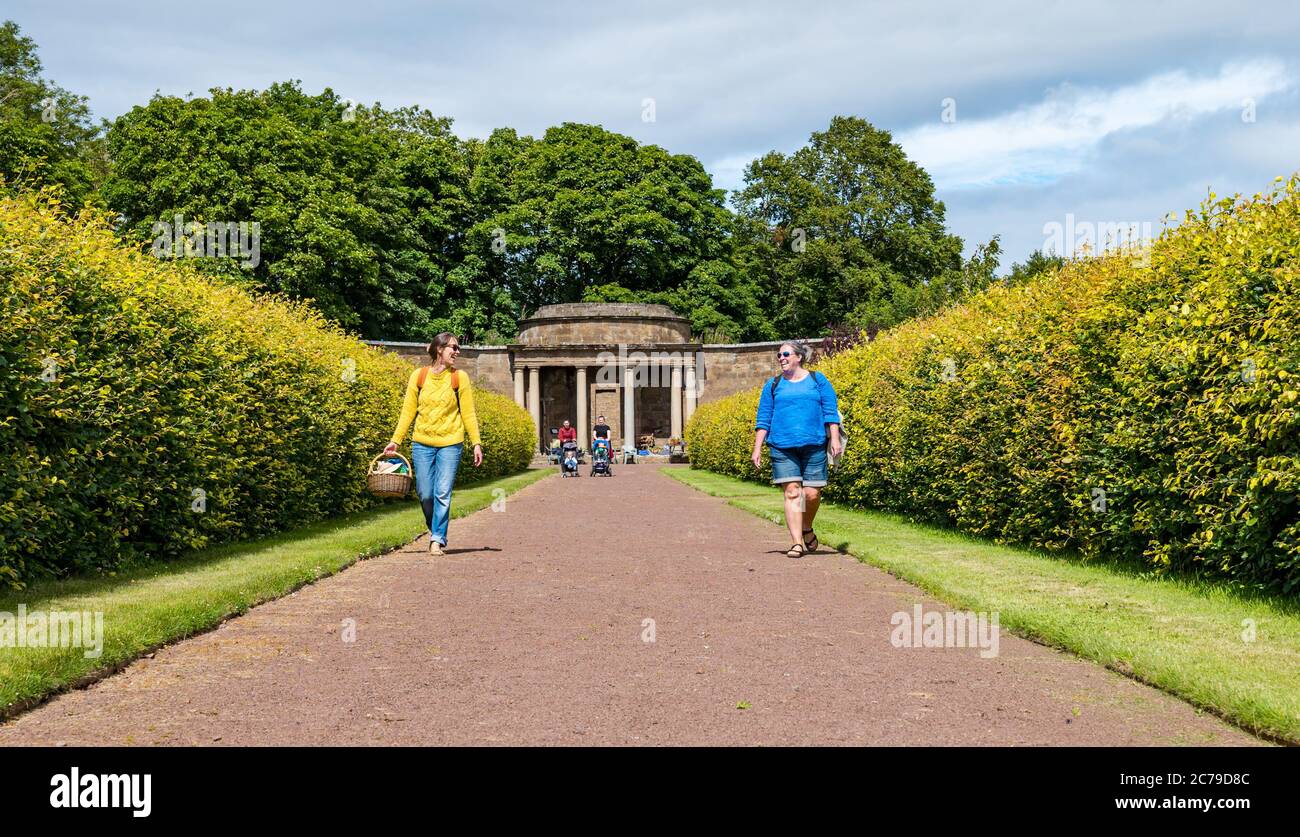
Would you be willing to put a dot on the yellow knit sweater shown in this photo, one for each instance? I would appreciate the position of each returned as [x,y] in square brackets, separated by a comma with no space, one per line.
[437,423]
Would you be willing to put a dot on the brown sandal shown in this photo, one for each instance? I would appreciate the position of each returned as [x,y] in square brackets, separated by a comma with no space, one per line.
[811,545]
[796,551]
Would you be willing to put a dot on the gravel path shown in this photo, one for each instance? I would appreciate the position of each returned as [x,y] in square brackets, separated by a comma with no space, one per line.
[532,631]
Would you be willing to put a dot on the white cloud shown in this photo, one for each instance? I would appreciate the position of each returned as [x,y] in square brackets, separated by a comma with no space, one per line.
[1042,142]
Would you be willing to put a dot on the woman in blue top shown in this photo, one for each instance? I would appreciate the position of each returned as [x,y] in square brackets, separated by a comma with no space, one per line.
[796,412]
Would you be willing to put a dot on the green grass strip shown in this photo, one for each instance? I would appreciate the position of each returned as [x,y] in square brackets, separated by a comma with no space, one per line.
[152,606]
[1187,637]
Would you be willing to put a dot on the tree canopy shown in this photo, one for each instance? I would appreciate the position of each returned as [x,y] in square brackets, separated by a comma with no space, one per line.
[848,230]
[46,136]
[396,228]
[360,209]
[584,207]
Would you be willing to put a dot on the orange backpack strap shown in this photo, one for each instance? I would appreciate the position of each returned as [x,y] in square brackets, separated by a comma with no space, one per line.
[455,382]
[424,373]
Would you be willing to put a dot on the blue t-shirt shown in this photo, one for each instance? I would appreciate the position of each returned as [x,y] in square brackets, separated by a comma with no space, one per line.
[799,413]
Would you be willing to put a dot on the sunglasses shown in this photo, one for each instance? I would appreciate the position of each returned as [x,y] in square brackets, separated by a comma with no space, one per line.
[453,348]
[784,354]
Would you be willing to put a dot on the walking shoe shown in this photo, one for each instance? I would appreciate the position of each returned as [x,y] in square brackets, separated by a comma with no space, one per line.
[435,548]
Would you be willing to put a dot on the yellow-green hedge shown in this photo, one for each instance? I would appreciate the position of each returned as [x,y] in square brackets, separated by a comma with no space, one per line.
[508,439]
[1139,406]
[129,385]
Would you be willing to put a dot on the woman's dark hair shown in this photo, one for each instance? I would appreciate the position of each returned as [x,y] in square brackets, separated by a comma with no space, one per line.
[440,341]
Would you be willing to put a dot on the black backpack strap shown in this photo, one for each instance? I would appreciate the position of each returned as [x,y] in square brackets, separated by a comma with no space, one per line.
[776,380]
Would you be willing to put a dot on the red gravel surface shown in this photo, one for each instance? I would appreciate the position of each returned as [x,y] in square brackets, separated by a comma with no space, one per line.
[534,630]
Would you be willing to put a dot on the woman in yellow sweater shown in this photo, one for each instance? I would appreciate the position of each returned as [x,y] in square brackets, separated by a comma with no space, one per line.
[440,399]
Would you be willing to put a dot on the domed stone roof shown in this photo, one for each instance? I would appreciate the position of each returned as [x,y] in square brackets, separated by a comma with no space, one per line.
[603,323]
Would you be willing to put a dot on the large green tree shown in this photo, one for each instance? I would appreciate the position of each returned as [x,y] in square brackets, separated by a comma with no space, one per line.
[583,208]
[360,208]
[848,230]
[46,135]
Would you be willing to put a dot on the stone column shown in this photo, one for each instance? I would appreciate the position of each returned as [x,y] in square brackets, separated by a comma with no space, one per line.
[519,387]
[535,403]
[629,405]
[690,390]
[584,440]
[676,396]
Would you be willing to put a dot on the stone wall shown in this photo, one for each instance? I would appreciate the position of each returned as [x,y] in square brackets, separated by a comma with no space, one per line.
[487,366]
[728,368]
[415,353]
[731,368]
[606,400]
[560,338]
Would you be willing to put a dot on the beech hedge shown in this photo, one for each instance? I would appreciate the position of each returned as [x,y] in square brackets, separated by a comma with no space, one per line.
[1140,405]
[148,410]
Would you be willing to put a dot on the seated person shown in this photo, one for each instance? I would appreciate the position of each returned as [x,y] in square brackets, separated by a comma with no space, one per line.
[571,458]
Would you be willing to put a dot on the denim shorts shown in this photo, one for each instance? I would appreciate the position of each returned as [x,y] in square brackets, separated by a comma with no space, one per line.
[805,464]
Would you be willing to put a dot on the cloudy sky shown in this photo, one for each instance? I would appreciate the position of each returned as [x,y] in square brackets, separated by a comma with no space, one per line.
[1025,113]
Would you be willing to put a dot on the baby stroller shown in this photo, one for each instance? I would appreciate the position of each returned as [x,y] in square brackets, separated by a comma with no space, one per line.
[600,465]
[569,460]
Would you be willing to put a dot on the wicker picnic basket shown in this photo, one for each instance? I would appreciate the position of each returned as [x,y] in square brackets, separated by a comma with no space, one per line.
[389,485]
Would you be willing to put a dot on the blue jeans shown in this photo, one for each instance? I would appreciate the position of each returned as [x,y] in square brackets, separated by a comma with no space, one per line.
[435,470]
[806,464]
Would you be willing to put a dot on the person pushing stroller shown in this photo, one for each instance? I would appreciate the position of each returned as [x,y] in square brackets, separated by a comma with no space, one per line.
[568,439]
[600,447]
